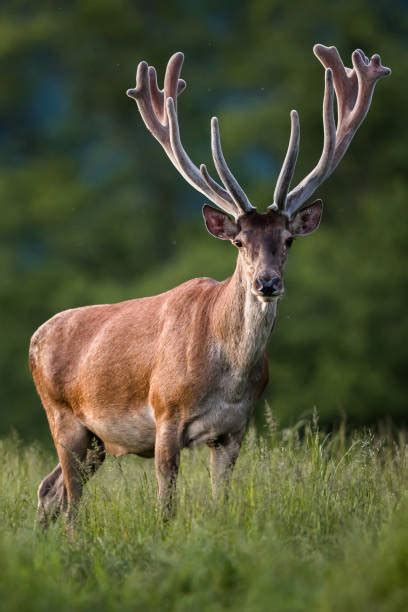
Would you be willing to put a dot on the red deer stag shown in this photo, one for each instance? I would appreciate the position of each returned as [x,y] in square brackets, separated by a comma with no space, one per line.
[155,375]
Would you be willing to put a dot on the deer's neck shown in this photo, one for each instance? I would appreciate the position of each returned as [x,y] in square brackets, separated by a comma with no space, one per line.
[242,323]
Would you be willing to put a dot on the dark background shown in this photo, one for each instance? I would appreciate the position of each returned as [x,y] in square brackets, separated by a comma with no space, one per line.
[92,211]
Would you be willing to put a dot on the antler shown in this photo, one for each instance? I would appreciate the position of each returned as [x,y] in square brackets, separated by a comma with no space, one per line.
[354,90]
[158,108]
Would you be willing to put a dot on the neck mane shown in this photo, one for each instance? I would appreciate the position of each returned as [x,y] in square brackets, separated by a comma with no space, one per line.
[242,323]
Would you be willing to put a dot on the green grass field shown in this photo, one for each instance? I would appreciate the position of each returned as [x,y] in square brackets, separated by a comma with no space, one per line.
[312,523]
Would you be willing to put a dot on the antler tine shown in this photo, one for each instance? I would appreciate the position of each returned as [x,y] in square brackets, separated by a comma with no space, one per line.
[190,171]
[310,183]
[289,165]
[158,108]
[330,58]
[143,97]
[211,183]
[157,95]
[354,90]
[172,76]
[231,184]
[368,73]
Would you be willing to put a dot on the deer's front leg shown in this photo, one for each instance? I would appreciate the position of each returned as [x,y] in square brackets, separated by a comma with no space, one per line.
[167,459]
[223,454]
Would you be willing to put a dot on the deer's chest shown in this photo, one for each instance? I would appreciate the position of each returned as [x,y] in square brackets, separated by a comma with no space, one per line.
[225,409]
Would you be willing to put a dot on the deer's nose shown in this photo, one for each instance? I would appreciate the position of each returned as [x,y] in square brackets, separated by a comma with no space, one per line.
[269,287]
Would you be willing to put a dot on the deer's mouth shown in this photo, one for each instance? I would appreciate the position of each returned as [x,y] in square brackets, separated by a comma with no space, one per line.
[265,299]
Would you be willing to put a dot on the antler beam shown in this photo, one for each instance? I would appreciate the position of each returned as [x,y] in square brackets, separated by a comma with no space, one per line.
[352,87]
[158,108]
[354,90]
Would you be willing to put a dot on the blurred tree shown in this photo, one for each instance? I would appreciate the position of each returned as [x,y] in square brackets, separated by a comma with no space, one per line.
[93,212]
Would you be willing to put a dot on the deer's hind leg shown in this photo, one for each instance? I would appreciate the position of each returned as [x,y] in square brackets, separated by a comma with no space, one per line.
[51,497]
[80,454]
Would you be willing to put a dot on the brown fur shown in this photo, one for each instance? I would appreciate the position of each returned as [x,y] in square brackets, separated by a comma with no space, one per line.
[154,375]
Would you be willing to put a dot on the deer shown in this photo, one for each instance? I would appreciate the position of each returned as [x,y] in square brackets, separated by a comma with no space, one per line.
[155,375]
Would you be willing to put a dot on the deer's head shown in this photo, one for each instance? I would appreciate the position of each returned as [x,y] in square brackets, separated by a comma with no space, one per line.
[263,240]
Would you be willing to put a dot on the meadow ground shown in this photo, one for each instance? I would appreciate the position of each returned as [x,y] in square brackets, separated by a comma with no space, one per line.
[313,522]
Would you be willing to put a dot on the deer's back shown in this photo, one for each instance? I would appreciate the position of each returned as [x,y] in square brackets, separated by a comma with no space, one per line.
[109,353]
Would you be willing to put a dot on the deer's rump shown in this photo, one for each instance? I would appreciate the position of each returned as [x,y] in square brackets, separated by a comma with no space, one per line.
[95,362]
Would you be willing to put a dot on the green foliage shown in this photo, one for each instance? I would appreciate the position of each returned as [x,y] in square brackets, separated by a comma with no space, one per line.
[93,212]
[312,523]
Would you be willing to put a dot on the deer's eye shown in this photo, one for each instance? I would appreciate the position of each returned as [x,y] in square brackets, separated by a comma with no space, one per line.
[237,243]
[288,242]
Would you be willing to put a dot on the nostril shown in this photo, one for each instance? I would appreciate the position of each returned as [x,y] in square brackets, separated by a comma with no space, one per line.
[269,286]
[276,283]
[260,284]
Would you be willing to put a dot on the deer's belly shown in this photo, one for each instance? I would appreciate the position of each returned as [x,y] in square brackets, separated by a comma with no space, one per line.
[123,432]
[134,430]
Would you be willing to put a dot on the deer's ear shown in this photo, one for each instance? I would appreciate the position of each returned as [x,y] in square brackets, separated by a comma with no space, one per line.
[307,220]
[219,224]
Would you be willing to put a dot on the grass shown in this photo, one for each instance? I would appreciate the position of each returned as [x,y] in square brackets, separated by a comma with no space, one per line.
[313,523]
